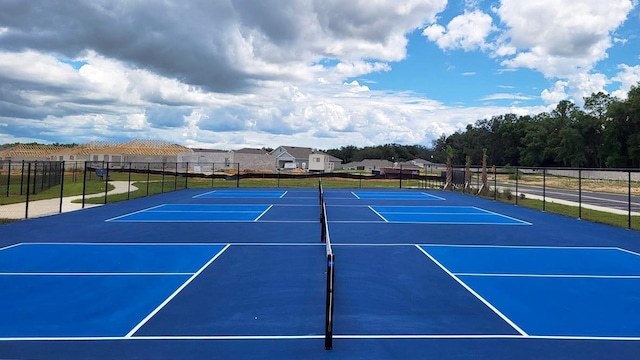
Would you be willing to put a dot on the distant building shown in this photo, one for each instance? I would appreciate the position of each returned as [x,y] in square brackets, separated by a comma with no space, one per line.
[294,157]
[209,160]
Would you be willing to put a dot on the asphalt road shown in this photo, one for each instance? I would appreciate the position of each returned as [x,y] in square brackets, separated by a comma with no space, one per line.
[618,202]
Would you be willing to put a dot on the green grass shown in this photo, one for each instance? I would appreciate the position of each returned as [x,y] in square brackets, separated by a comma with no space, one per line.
[156,184]
[575,212]
[70,189]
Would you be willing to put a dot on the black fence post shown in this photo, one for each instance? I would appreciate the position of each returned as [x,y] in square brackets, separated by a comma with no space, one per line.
[22,177]
[186,176]
[84,183]
[213,173]
[629,198]
[517,176]
[8,177]
[35,176]
[61,187]
[495,183]
[148,176]
[162,186]
[129,183]
[400,176]
[544,189]
[106,180]
[579,193]
[175,178]
[26,206]
[238,176]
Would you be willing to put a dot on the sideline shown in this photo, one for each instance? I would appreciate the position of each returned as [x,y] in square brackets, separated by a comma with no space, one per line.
[47,207]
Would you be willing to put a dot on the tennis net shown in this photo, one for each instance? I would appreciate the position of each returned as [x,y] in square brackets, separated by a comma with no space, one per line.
[328,333]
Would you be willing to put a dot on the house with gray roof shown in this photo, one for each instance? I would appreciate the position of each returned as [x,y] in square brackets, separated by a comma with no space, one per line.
[295,157]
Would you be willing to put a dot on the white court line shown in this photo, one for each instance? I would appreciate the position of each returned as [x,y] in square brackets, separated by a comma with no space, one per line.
[524,246]
[166,301]
[91,274]
[264,212]
[505,216]
[124,243]
[135,212]
[469,289]
[203,194]
[10,246]
[335,336]
[377,213]
[248,221]
[627,251]
[354,194]
[570,276]
[283,194]
[430,195]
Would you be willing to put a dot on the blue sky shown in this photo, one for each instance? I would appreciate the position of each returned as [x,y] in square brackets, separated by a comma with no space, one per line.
[229,74]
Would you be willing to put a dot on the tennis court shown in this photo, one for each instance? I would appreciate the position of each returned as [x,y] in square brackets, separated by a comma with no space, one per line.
[317,274]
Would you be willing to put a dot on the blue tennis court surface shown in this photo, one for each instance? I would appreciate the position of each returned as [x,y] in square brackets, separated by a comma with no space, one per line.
[443,215]
[552,291]
[75,290]
[275,194]
[394,195]
[242,274]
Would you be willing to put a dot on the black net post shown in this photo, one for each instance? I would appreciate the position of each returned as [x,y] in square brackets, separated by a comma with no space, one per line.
[328,334]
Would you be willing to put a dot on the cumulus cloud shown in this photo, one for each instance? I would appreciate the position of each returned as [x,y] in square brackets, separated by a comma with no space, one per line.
[627,77]
[468,31]
[556,94]
[264,73]
[560,37]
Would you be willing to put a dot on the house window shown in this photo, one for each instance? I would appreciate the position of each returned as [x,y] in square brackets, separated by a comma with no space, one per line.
[316,159]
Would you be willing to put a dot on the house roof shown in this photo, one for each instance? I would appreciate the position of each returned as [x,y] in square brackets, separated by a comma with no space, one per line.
[304,152]
[30,150]
[372,163]
[254,151]
[298,152]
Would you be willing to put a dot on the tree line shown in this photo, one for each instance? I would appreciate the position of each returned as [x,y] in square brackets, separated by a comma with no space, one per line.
[604,133]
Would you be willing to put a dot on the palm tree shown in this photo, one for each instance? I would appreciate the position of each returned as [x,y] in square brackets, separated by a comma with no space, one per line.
[467,173]
[450,153]
[484,189]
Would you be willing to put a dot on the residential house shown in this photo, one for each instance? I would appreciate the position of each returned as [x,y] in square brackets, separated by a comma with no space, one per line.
[294,157]
[209,160]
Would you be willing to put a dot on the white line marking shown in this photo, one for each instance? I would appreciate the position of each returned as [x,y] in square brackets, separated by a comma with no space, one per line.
[11,246]
[354,194]
[433,196]
[335,336]
[264,212]
[377,213]
[576,276]
[207,193]
[504,216]
[124,244]
[525,246]
[216,221]
[135,212]
[166,301]
[283,194]
[627,251]
[488,304]
[91,274]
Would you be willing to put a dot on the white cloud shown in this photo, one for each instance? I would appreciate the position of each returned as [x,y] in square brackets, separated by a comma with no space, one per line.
[506,96]
[556,94]
[560,37]
[628,76]
[468,32]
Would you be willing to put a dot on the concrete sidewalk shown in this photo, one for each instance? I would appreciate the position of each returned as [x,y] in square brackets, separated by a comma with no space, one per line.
[52,206]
